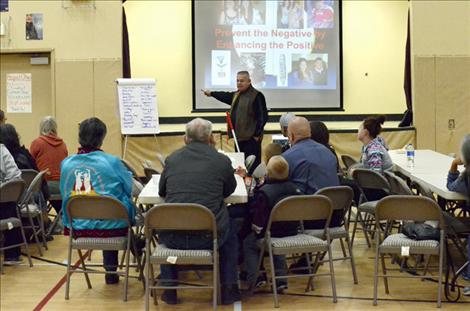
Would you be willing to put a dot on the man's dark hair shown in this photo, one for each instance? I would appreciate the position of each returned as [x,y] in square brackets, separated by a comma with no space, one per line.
[244,72]
[91,133]
[9,137]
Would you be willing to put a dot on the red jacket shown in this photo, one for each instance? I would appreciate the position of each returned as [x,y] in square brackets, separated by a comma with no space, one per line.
[49,151]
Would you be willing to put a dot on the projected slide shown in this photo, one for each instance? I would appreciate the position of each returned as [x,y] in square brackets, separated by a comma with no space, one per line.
[290,48]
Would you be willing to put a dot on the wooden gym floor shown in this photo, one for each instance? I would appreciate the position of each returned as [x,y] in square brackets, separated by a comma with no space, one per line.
[43,286]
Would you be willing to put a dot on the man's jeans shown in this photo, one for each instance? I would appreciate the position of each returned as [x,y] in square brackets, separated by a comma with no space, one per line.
[228,253]
[251,250]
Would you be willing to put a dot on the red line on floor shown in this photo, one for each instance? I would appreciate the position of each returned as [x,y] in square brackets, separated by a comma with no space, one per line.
[56,288]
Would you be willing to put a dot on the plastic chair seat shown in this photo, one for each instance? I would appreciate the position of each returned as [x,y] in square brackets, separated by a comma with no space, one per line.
[335,232]
[33,210]
[114,243]
[368,207]
[6,224]
[297,244]
[183,256]
[394,242]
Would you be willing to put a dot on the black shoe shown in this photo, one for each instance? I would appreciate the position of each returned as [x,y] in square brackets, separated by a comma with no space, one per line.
[299,267]
[230,294]
[261,281]
[139,244]
[281,288]
[111,278]
[169,296]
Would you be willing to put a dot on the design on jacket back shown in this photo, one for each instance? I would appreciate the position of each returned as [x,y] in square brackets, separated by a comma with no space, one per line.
[83,179]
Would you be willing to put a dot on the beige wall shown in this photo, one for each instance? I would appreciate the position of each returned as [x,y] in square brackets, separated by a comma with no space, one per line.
[374,34]
[86,44]
[441,72]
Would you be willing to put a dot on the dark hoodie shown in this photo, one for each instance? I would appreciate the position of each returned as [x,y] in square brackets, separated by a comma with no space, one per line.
[49,151]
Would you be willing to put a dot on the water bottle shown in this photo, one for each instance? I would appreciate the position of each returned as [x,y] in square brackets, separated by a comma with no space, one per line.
[410,155]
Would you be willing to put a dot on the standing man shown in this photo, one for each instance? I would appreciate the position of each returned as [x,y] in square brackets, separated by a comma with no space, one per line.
[197,173]
[248,113]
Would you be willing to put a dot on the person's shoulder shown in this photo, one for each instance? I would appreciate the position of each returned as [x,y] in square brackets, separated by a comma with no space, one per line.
[36,141]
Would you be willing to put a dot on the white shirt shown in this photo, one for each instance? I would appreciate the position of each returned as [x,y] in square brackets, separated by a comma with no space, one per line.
[8,168]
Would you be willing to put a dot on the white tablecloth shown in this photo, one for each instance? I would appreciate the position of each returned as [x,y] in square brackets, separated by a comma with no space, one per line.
[149,194]
[430,169]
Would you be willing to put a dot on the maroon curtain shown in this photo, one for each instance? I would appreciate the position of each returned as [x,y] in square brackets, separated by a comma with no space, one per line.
[126,59]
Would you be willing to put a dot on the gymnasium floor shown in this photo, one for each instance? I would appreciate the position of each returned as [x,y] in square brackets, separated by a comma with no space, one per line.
[43,286]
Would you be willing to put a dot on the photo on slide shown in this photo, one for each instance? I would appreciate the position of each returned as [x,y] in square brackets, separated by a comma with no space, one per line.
[308,71]
[243,12]
[320,14]
[291,49]
[290,14]
[255,64]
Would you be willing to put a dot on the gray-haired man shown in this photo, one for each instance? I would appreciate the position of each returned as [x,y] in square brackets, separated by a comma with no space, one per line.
[198,173]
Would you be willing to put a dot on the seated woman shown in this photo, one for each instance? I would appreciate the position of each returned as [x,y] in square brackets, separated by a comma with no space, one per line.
[94,172]
[9,171]
[320,134]
[460,182]
[48,150]
[374,154]
[275,188]
[23,159]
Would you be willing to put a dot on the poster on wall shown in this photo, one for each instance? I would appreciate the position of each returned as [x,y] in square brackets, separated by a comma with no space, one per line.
[3,5]
[34,26]
[19,99]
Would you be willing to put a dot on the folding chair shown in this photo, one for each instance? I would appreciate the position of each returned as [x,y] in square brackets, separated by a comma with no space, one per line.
[373,187]
[11,192]
[97,208]
[341,197]
[149,172]
[32,211]
[348,161]
[249,161]
[299,208]
[56,217]
[406,208]
[397,185]
[130,169]
[161,159]
[28,175]
[180,217]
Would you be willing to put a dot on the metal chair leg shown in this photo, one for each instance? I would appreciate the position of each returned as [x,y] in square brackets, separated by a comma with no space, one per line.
[353,264]
[273,276]
[332,273]
[82,261]
[384,270]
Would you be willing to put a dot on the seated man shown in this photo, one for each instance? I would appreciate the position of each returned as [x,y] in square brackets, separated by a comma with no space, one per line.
[312,166]
[197,173]
[94,172]
[275,188]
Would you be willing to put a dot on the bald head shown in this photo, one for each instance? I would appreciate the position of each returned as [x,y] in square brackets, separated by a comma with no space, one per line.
[299,129]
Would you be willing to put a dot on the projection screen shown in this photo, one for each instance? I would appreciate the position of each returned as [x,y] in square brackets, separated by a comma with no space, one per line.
[292,50]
